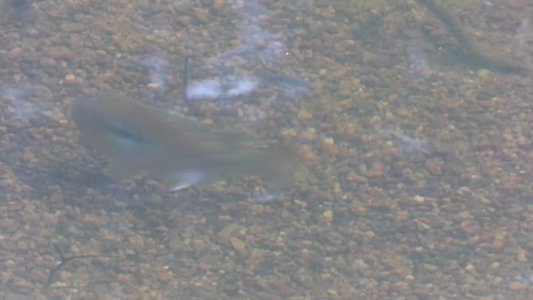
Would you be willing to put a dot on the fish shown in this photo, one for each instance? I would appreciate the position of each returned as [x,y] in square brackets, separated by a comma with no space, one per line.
[137,138]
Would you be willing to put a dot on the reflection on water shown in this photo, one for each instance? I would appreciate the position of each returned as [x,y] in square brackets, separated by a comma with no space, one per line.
[417,179]
[409,145]
[226,89]
[156,66]
[213,88]
[258,44]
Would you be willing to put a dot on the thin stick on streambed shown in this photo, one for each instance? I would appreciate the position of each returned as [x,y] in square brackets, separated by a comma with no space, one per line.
[185,80]
[62,261]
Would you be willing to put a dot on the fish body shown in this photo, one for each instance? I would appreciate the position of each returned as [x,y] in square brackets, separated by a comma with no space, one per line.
[138,138]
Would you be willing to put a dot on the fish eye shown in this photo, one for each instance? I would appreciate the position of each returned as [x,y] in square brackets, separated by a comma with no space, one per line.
[124,134]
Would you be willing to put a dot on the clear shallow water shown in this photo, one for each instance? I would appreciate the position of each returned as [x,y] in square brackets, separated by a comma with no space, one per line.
[416,144]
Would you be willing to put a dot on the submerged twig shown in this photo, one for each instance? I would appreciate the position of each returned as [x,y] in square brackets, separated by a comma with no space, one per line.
[62,261]
[185,79]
